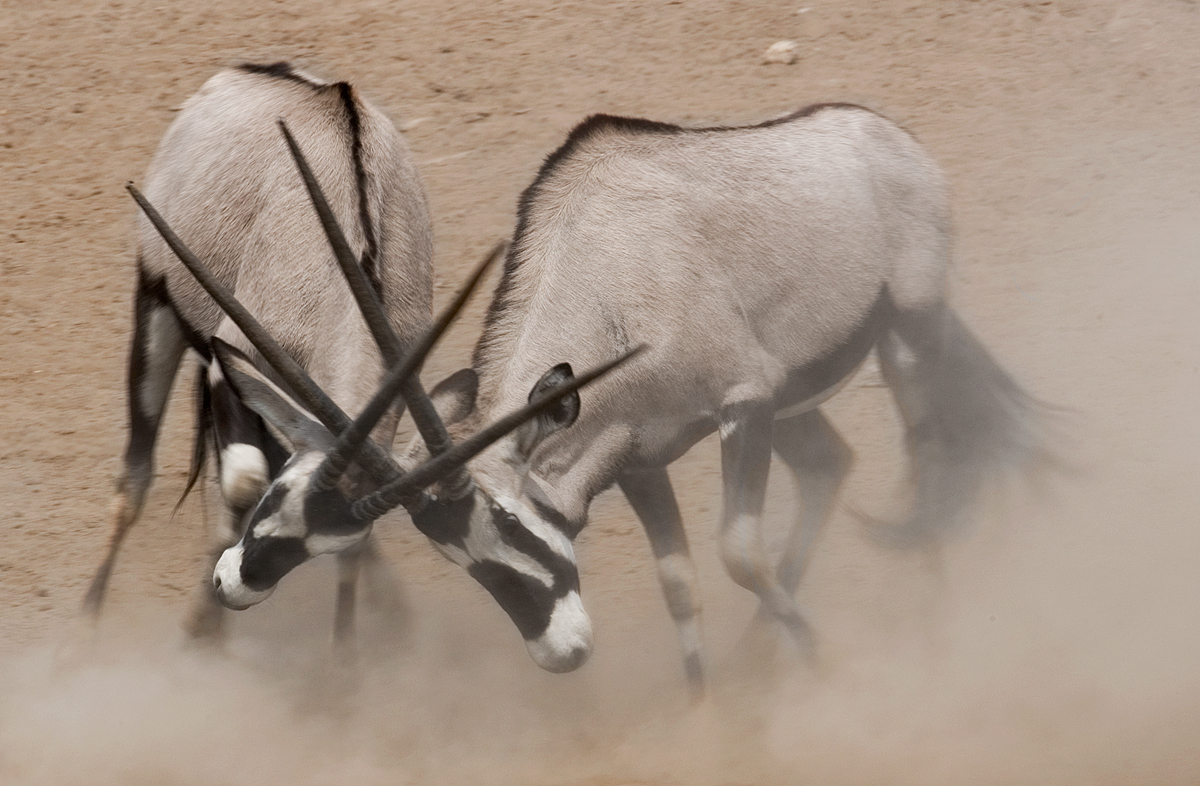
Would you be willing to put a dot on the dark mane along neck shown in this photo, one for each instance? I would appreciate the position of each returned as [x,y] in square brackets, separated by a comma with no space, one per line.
[591,127]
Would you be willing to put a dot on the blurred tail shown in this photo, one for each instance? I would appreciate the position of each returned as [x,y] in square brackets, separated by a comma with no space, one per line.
[204,430]
[968,422]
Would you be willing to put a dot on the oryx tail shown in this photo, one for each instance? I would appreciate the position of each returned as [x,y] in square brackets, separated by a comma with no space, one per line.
[966,420]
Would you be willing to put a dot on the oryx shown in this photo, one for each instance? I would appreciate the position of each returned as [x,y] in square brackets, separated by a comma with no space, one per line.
[223,175]
[327,495]
[760,265]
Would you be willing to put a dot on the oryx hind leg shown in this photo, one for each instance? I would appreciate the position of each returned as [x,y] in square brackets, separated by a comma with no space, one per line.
[158,345]
[746,437]
[650,494]
[820,460]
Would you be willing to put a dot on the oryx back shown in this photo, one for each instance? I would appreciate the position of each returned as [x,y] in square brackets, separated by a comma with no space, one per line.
[223,178]
[739,255]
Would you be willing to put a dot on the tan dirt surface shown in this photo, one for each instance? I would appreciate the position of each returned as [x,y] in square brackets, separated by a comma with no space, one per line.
[1057,643]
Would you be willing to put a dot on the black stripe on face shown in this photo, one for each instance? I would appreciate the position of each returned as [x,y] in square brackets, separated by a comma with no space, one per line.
[526,600]
[328,513]
[267,560]
[556,519]
[564,572]
[270,503]
[446,521]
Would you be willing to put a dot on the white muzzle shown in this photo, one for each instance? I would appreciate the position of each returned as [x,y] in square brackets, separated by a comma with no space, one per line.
[567,641]
[227,581]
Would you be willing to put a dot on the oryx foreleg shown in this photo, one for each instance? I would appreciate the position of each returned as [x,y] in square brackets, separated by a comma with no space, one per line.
[158,345]
[649,493]
[746,434]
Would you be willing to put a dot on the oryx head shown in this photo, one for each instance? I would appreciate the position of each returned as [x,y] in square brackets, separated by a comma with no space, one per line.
[321,502]
[525,562]
[338,481]
[303,513]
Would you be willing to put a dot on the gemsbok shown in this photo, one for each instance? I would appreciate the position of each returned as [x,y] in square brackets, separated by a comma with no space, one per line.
[223,175]
[759,266]
[338,480]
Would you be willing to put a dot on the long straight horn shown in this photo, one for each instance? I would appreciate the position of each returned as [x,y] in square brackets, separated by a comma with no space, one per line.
[394,493]
[428,423]
[348,444]
[364,292]
[376,461]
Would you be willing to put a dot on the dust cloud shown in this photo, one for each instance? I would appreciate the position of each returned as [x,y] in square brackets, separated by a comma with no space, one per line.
[1057,643]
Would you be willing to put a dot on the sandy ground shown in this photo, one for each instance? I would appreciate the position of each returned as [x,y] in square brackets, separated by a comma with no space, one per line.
[1056,644]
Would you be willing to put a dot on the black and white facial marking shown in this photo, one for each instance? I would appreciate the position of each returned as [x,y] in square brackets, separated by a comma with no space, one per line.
[526,564]
[291,524]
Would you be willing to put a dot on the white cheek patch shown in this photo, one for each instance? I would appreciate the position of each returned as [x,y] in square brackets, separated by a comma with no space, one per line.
[484,544]
[288,521]
[333,544]
[567,641]
[243,474]
[269,527]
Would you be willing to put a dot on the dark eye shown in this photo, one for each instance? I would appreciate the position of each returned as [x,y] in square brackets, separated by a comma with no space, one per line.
[508,523]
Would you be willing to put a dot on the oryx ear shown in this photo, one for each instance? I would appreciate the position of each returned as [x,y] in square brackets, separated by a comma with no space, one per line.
[454,396]
[268,401]
[557,417]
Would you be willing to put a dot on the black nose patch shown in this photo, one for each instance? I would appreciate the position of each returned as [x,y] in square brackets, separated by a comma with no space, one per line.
[267,560]
[526,600]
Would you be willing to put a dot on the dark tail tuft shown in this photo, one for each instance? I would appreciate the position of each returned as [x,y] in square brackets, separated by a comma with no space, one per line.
[203,433]
[978,424]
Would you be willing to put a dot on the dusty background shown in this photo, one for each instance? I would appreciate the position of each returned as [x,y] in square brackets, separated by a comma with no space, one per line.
[1056,644]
